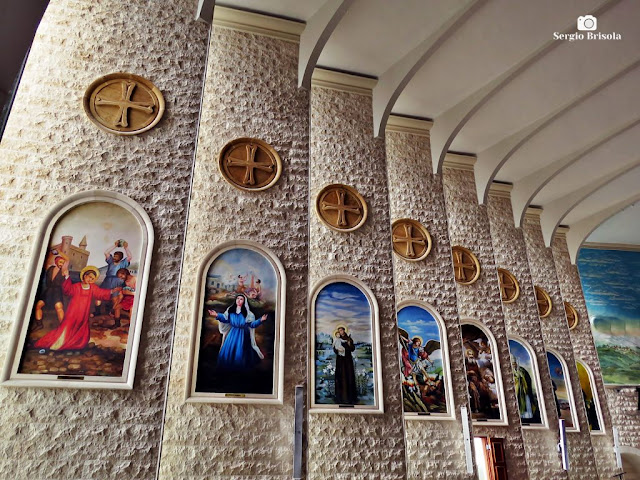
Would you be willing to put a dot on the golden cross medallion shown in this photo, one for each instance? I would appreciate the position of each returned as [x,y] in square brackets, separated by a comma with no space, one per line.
[572,315]
[123,103]
[341,207]
[249,164]
[509,286]
[411,240]
[466,267]
[544,302]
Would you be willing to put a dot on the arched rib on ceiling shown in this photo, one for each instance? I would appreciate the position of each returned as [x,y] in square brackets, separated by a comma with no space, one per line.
[448,124]
[490,161]
[546,115]
[580,230]
[315,35]
[554,212]
[395,78]
[525,189]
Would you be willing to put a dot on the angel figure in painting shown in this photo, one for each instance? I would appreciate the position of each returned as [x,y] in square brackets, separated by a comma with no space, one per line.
[346,392]
[73,333]
[419,356]
[237,325]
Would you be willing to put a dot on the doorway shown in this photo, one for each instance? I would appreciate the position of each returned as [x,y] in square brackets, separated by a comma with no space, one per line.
[490,459]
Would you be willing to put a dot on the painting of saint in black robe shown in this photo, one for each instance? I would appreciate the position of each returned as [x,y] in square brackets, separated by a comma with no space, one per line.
[345,376]
[343,347]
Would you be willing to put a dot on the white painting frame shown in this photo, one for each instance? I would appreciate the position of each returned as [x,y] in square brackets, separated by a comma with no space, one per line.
[596,397]
[538,381]
[378,406]
[276,398]
[503,420]
[444,347]
[572,403]
[10,375]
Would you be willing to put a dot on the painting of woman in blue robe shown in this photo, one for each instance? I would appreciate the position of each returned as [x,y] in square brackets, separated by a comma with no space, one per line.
[237,326]
[238,334]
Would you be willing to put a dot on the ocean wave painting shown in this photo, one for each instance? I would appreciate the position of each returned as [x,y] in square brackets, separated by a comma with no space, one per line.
[611,285]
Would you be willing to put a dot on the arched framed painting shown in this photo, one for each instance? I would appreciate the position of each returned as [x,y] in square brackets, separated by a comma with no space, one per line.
[562,393]
[526,379]
[486,396]
[345,374]
[80,318]
[590,396]
[424,362]
[238,327]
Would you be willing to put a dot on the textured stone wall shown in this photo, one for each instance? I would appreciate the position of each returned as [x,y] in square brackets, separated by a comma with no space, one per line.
[522,319]
[248,93]
[352,446]
[469,227]
[584,348]
[51,150]
[555,333]
[435,449]
[625,416]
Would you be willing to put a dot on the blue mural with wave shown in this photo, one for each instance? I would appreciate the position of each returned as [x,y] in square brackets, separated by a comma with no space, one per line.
[611,285]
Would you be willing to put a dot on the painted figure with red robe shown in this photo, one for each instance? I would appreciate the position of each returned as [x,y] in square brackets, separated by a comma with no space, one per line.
[73,333]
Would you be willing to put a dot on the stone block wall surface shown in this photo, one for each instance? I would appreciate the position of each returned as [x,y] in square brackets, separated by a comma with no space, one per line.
[522,320]
[555,333]
[344,150]
[469,227]
[250,91]
[625,416]
[435,449]
[51,150]
[585,350]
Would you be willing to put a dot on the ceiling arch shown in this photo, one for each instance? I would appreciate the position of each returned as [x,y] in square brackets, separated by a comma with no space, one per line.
[557,119]
[491,160]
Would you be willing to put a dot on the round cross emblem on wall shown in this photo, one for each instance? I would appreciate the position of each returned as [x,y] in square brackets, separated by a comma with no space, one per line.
[123,103]
[249,164]
[411,240]
[572,315]
[545,305]
[509,286]
[466,267]
[341,207]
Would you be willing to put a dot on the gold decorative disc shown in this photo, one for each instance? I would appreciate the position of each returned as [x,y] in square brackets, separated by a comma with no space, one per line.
[341,207]
[123,103]
[249,164]
[411,240]
[572,315]
[545,305]
[509,286]
[466,267]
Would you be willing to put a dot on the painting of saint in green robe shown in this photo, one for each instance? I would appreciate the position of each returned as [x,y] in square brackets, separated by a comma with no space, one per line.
[524,380]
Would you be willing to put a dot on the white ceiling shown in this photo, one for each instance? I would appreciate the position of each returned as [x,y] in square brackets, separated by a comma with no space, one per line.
[558,119]
[376,30]
[294,9]
[618,228]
